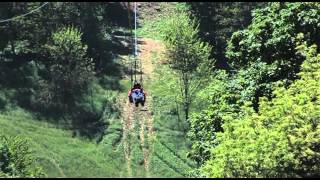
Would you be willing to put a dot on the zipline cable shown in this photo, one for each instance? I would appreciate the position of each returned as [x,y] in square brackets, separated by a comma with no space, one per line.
[23,15]
[135,29]
[134,43]
[131,42]
[135,40]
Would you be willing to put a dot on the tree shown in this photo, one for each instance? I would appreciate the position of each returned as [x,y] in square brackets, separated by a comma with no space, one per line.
[26,64]
[188,56]
[70,70]
[217,22]
[282,139]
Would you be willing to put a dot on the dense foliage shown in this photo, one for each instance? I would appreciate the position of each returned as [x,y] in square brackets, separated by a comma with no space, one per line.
[282,139]
[244,135]
[217,22]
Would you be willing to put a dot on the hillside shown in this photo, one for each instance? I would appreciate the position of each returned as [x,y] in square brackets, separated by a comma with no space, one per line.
[152,145]
[57,152]
[62,155]
[196,89]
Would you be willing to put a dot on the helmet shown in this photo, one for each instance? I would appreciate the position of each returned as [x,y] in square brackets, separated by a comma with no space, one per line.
[136,85]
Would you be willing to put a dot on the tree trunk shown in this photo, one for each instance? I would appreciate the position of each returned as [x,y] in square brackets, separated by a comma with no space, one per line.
[186,103]
[186,95]
[186,110]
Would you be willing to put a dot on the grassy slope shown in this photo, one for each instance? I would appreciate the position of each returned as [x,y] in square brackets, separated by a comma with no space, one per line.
[171,144]
[64,156]
[59,153]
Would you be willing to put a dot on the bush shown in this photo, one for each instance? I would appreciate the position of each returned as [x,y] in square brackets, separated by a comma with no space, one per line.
[16,159]
[3,100]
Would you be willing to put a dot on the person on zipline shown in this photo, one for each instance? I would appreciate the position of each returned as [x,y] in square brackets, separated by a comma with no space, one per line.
[136,94]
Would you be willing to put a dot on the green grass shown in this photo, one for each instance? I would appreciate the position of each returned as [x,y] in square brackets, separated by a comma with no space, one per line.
[154,27]
[57,152]
[171,146]
[155,24]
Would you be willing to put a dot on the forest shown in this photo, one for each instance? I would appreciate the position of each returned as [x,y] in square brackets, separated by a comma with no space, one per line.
[230,89]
